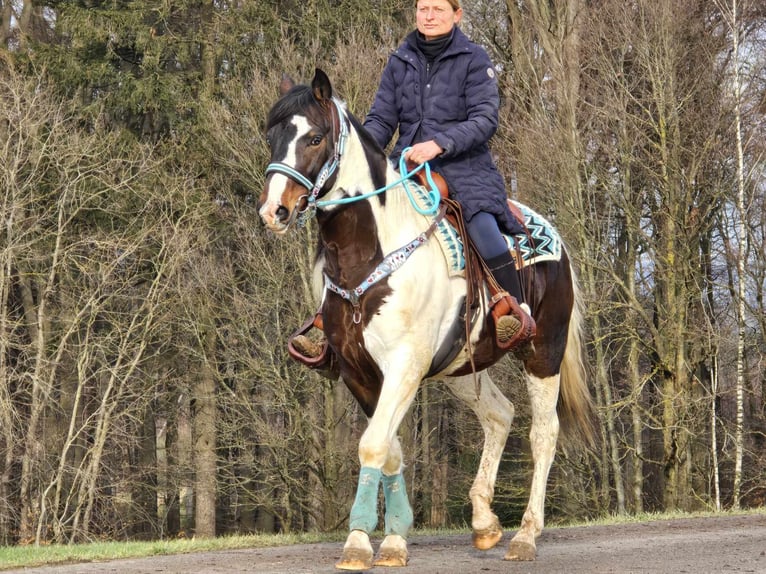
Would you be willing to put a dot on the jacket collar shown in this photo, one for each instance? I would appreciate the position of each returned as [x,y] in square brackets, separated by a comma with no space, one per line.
[459,44]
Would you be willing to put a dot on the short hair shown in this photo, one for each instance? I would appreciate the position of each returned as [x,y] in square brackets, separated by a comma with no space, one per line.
[454,3]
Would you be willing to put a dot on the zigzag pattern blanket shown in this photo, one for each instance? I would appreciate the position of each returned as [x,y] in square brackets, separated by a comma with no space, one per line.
[545,246]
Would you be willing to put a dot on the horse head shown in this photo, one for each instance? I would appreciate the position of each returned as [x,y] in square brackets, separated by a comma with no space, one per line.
[305,130]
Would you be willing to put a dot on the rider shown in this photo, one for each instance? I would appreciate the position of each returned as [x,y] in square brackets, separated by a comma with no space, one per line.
[440,91]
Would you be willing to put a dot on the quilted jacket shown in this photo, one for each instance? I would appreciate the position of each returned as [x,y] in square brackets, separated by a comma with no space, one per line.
[453,101]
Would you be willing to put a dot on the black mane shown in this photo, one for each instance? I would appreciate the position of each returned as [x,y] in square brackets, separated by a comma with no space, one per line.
[299,100]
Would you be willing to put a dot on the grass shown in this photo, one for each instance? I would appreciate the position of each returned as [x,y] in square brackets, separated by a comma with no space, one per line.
[652,516]
[28,556]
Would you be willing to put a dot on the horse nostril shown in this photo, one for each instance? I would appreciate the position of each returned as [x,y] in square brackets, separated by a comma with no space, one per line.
[282,213]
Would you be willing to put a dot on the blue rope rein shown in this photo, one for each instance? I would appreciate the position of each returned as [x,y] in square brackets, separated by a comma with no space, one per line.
[433,190]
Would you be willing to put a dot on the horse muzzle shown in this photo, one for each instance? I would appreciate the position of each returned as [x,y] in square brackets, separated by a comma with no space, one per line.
[276,217]
[279,218]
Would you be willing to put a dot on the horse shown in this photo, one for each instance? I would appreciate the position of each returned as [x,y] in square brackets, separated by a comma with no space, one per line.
[390,306]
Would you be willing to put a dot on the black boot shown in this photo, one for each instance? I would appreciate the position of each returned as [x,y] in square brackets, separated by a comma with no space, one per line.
[504,271]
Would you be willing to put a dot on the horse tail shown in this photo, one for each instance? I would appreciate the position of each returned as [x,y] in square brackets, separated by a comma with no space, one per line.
[575,407]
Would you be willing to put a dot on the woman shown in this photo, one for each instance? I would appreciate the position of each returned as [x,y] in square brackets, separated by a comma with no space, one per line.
[439,90]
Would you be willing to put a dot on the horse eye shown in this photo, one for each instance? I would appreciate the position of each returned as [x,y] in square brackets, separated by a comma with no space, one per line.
[316,140]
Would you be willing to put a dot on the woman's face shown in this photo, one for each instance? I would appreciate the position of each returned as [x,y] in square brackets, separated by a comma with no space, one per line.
[436,17]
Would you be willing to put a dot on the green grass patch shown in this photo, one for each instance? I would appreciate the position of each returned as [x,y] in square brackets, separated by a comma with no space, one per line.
[612,519]
[47,555]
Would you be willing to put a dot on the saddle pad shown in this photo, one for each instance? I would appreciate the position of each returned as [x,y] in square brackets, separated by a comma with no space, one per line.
[452,246]
[546,242]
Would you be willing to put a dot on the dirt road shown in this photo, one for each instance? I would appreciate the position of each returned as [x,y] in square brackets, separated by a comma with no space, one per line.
[693,545]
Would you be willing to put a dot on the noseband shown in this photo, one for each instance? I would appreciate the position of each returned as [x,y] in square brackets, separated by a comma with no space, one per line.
[325,173]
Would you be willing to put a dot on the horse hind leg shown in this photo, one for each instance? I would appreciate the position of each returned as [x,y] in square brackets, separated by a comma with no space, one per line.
[543,394]
[495,413]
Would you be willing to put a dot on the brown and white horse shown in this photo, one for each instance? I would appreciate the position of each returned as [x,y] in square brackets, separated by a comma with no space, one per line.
[390,306]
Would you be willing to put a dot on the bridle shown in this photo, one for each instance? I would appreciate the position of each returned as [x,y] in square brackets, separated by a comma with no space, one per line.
[328,169]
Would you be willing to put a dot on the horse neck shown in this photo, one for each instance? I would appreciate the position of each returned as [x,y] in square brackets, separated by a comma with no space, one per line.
[396,221]
[355,237]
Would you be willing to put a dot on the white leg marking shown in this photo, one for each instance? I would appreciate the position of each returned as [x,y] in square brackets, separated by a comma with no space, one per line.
[400,384]
[543,395]
[495,413]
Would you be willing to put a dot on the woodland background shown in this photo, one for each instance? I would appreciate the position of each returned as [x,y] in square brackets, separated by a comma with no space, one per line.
[145,389]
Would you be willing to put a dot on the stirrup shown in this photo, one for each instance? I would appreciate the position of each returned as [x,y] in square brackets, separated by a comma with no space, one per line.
[300,352]
[504,305]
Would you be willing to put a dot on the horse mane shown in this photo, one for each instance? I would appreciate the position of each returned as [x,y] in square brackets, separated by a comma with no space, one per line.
[301,98]
[367,140]
[376,155]
[298,100]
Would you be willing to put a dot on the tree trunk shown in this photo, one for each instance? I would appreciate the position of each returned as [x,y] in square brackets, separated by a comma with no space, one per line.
[741,263]
[33,449]
[184,450]
[163,482]
[205,443]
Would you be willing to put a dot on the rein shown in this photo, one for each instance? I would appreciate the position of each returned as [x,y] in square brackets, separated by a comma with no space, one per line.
[433,190]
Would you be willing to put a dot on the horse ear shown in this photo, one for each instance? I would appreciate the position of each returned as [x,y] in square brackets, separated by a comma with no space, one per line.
[321,86]
[286,84]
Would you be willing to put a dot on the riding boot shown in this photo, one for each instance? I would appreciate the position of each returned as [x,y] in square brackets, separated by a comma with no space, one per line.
[315,354]
[307,346]
[504,271]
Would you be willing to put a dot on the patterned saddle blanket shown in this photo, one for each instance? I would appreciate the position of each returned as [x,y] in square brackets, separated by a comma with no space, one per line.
[545,244]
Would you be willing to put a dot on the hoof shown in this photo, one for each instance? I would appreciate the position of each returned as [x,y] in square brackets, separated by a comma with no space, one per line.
[488,538]
[355,559]
[520,552]
[391,557]
[392,552]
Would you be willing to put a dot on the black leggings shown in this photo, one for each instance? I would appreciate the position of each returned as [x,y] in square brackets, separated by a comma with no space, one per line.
[486,236]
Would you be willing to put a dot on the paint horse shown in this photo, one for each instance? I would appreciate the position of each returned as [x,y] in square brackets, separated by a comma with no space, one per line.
[390,305]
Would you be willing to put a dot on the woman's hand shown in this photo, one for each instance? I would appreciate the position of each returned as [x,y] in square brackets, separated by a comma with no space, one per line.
[423,152]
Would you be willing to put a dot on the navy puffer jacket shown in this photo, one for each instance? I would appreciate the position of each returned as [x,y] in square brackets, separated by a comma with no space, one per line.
[454,101]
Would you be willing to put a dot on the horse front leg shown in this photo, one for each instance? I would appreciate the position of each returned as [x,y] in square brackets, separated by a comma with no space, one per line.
[543,397]
[495,413]
[398,512]
[380,457]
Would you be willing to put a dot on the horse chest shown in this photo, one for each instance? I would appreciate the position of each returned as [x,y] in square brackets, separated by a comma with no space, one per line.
[358,369]
[350,251]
